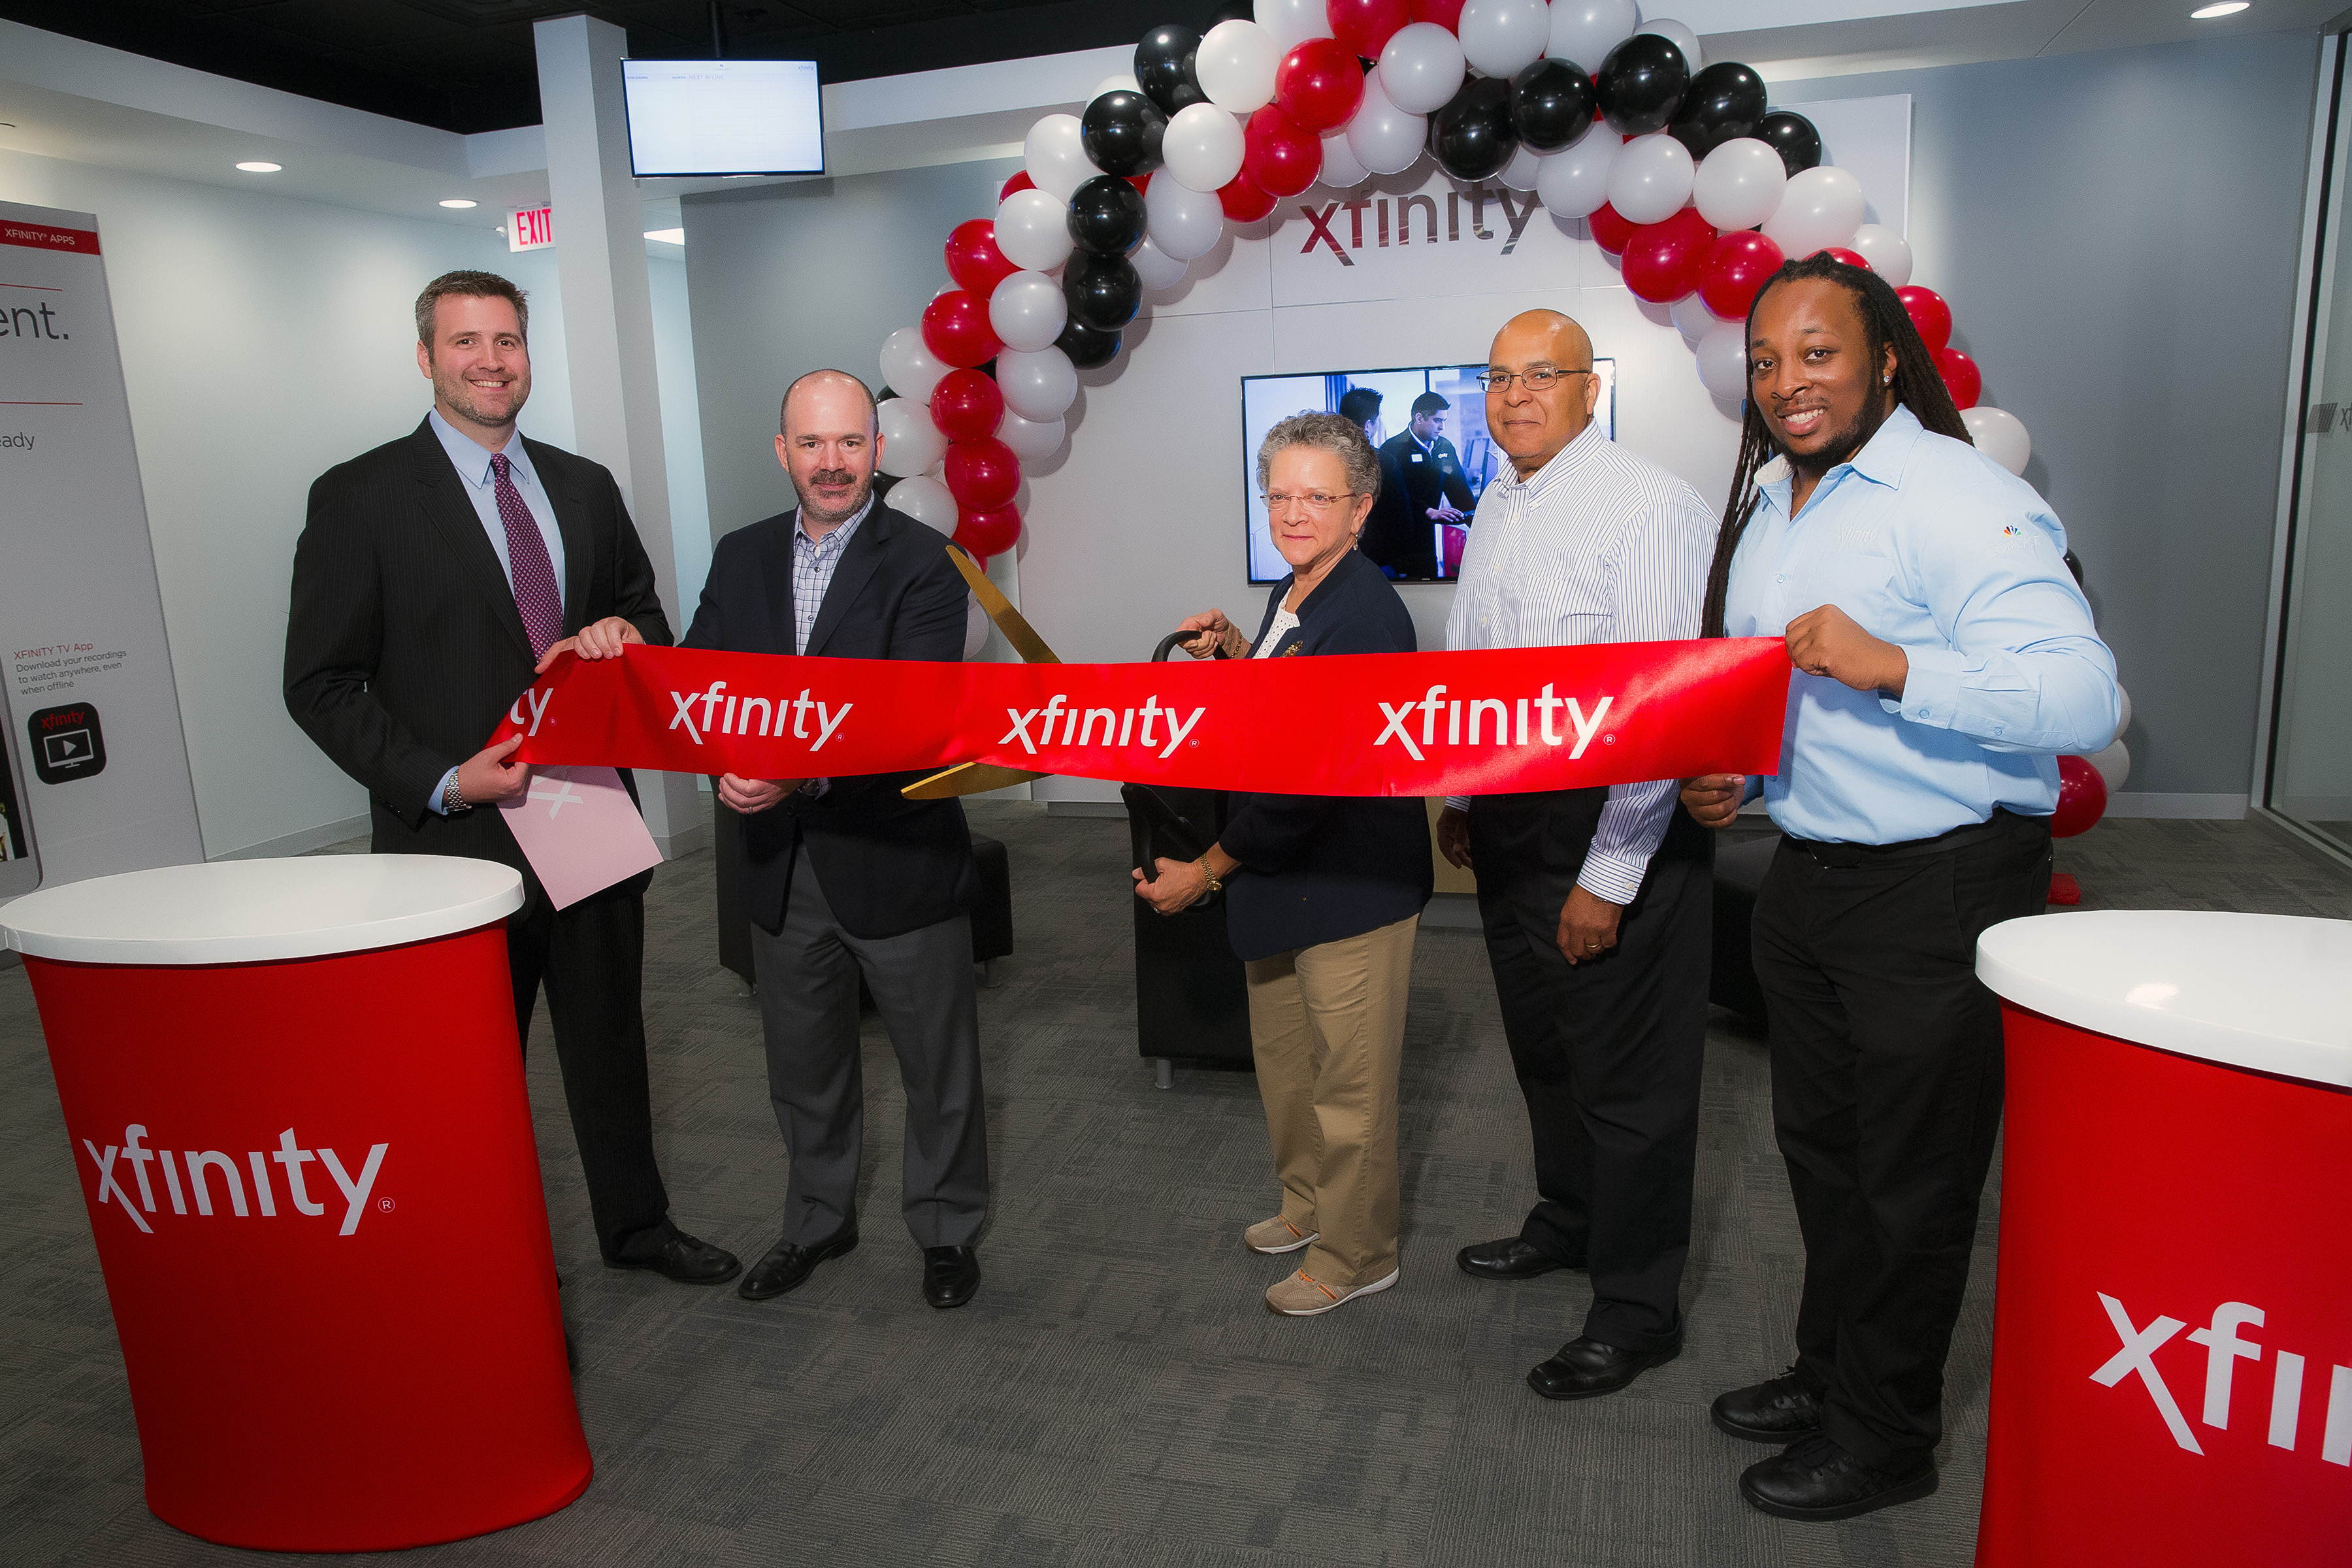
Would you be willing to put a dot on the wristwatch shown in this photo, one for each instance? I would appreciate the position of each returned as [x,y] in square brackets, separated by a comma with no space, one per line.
[1216,886]
[453,799]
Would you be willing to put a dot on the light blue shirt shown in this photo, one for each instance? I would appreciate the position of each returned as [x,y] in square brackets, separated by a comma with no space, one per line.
[1929,544]
[473,464]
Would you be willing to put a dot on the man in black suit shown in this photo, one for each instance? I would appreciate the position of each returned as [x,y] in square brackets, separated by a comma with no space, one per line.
[1426,472]
[433,575]
[845,877]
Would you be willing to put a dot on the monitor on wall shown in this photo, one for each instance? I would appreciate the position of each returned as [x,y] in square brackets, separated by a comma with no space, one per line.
[1446,461]
[697,119]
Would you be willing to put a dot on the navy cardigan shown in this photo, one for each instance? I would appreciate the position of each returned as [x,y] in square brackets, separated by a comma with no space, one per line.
[1318,868]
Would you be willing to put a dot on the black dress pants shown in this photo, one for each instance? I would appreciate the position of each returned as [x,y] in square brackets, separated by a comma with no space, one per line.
[1886,1092]
[592,959]
[1608,1053]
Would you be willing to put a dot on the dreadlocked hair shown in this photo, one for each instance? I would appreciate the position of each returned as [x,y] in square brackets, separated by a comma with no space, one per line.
[1918,385]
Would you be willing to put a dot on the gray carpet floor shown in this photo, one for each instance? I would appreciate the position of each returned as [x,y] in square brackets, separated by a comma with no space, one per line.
[1117,1393]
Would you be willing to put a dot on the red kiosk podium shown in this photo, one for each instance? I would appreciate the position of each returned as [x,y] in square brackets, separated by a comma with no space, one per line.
[2172,1337]
[294,1095]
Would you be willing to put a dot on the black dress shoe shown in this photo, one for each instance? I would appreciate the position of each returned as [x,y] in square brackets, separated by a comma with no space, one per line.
[682,1257]
[1778,1410]
[1510,1259]
[950,1275]
[788,1265]
[1584,1368]
[1818,1480]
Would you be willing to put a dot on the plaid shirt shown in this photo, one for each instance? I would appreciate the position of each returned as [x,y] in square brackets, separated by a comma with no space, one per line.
[814,561]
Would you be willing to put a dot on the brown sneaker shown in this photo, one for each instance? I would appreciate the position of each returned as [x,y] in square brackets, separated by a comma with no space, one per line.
[1300,1296]
[1277,1235]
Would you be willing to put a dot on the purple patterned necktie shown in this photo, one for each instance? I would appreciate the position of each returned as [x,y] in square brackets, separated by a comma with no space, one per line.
[532,572]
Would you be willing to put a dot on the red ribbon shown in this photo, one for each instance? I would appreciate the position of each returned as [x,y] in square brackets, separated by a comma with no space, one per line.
[1493,722]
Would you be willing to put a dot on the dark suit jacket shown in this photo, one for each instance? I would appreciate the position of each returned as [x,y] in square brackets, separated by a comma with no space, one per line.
[889,865]
[404,647]
[1401,532]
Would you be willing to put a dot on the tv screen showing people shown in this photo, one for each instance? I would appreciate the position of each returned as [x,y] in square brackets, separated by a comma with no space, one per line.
[1429,425]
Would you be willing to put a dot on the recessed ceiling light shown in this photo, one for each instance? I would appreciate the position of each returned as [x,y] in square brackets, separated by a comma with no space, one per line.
[259,167]
[2226,8]
[668,236]
[459,201]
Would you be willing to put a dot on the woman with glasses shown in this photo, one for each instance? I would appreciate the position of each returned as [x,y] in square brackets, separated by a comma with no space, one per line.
[1323,894]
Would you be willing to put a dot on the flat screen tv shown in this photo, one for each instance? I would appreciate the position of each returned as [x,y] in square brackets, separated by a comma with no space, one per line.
[1449,470]
[697,119]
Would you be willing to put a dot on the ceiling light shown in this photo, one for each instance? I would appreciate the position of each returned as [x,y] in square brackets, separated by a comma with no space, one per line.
[260,167]
[2226,8]
[459,202]
[668,236]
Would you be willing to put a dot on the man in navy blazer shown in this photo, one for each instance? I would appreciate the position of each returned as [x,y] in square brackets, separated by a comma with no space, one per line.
[845,877]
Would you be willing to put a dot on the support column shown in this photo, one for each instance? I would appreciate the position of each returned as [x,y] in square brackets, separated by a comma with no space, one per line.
[608,325]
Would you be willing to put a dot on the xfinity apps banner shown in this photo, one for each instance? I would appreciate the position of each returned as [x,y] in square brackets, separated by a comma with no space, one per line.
[97,770]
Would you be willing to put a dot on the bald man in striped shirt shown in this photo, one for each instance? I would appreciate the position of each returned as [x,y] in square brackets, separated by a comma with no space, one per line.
[1596,902]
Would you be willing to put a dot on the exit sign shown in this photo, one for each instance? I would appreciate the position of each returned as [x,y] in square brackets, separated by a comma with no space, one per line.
[532,229]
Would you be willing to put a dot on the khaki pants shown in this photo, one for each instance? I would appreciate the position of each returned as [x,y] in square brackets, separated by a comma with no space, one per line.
[1327,1025]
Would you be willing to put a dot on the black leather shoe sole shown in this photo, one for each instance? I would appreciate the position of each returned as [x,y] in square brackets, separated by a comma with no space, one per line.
[1640,1364]
[755,1288]
[1533,1266]
[1911,1491]
[1793,1432]
[952,1292]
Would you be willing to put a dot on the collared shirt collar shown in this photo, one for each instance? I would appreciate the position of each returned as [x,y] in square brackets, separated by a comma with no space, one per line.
[1566,460]
[1428,445]
[840,536]
[1880,460]
[471,460]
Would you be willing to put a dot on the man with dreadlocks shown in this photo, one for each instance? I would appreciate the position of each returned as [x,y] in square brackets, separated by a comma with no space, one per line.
[1945,659]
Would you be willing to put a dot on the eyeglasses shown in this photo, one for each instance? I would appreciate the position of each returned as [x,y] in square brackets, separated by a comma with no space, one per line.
[1538,380]
[1315,502]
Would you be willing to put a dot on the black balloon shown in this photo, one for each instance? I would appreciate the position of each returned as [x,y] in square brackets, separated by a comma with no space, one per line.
[1793,137]
[1551,104]
[1105,215]
[1085,346]
[1472,137]
[1235,11]
[1642,84]
[1723,103]
[1163,66]
[1121,130]
[1103,292]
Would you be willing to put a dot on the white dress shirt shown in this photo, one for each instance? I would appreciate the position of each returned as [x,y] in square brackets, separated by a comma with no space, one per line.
[1598,545]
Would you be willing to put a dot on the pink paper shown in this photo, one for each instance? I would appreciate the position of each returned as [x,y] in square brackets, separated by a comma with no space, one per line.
[580,831]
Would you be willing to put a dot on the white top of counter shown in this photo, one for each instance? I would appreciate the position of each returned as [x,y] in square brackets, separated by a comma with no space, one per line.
[2268,992]
[246,911]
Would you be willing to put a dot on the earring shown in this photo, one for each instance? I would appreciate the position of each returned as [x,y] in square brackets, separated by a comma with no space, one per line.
[1887,380]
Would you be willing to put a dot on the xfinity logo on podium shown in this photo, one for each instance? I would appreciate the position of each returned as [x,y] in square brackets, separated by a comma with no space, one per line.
[2224,1348]
[213,1177]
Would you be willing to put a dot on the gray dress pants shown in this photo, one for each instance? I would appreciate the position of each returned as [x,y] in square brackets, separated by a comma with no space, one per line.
[922,984]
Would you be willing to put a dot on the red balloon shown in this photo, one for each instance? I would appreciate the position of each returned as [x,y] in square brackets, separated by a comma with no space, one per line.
[2082,798]
[1960,374]
[1280,156]
[1020,182]
[1851,258]
[1663,261]
[1609,231]
[956,329]
[1737,266]
[973,260]
[1364,27]
[1929,314]
[1142,184]
[991,531]
[1318,84]
[981,474]
[1243,199]
[966,406]
[1446,13]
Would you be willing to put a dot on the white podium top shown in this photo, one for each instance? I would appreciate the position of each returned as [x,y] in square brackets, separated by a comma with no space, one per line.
[2268,992]
[244,911]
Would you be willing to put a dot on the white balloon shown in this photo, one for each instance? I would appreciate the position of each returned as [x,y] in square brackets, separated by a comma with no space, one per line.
[1722,360]
[1574,181]
[1820,207]
[1999,435]
[1123,82]
[925,500]
[975,629]
[1385,139]
[1290,23]
[1154,265]
[1693,318]
[1235,66]
[1027,310]
[1183,222]
[1650,179]
[1031,438]
[1889,253]
[1056,156]
[1421,68]
[2114,764]
[1033,229]
[1036,385]
[908,367]
[1201,148]
[1342,169]
[1503,37]
[1520,173]
[1739,184]
[910,442]
[1684,40]
[2125,725]
[1585,31]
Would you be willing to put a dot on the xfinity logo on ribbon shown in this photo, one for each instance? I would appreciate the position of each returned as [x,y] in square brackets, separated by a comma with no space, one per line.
[2223,1350]
[1406,208]
[740,721]
[1505,732]
[1079,730]
[213,1177]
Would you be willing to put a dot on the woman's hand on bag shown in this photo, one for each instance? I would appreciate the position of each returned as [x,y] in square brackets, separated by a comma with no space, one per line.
[1213,633]
[1178,887]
